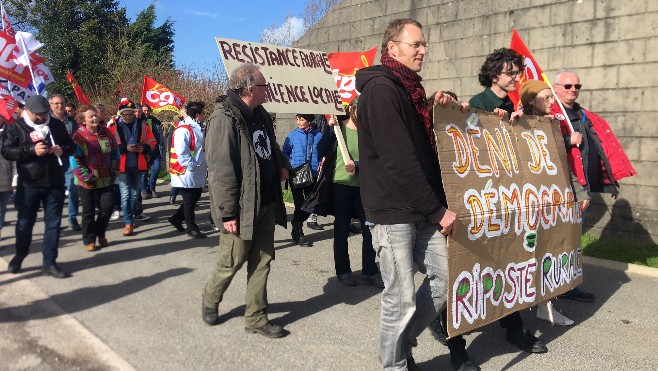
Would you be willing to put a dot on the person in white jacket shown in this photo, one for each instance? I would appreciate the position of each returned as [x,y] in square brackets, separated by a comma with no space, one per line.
[188,167]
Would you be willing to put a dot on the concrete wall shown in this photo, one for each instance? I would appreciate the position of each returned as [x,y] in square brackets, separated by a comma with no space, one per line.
[612,44]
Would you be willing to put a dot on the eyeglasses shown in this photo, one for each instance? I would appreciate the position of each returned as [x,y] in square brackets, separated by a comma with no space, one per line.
[264,85]
[512,74]
[569,86]
[415,45]
[547,98]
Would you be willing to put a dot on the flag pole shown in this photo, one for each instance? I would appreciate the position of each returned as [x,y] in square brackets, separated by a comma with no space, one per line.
[29,66]
[559,103]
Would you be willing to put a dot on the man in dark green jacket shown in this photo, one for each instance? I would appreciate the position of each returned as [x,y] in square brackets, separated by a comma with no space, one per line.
[245,171]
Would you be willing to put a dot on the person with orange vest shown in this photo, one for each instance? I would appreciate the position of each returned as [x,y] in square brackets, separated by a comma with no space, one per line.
[135,141]
[187,166]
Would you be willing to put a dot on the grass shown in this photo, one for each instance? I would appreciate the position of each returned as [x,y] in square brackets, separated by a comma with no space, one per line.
[618,251]
[287,195]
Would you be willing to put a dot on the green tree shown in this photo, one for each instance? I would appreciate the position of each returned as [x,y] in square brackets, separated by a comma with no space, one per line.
[157,43]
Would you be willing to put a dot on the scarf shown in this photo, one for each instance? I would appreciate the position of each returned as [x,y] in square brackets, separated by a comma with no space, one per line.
[34,125]
[411,81]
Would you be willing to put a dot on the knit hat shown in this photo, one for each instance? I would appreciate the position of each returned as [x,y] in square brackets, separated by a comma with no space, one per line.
[307,116]
[126,105]
[530,89]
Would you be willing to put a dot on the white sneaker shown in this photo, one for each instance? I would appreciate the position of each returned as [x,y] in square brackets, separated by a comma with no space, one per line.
[546,312]
[115,215]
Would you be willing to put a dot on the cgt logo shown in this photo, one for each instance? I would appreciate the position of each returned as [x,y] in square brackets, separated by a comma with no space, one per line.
[165,98]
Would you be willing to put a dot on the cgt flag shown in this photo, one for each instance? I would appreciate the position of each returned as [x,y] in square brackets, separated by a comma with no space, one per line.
[82,98]
[8,106]
[160,98]
[532,71]
[344,66]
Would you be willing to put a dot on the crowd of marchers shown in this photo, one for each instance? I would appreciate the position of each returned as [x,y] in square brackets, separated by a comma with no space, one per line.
[377,164]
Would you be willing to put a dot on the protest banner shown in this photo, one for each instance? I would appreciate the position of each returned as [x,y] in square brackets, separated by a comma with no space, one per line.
[298,80]
[161,98]
[518,233]
[344,66]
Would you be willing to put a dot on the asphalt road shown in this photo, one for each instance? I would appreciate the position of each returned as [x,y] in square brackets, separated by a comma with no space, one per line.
[136,304]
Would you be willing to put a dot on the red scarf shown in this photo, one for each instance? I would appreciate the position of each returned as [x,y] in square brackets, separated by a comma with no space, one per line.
[411,81]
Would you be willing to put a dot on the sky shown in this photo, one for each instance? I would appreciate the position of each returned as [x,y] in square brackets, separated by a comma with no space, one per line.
[198,22]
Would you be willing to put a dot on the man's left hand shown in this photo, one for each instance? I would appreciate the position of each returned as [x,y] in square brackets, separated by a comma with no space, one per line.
[56,150]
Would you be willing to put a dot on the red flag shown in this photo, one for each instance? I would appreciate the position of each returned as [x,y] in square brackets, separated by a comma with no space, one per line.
[8,106]
[160,98]
[82,98]
[531,71]
[344,66]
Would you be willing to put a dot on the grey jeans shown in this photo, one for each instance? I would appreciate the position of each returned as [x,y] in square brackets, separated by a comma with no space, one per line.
[403,249]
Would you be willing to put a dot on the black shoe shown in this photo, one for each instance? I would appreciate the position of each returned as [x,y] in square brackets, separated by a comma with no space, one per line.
[347,279]
[411,364]
[15,265]
[459,357]
[355,229]
[437,331]
[172,200]
[54,271]
[209,315]
[578,295]
[526,341]
[315,226]
[195,233]
[176,223]
[74,225]
[376,281]
[269,330]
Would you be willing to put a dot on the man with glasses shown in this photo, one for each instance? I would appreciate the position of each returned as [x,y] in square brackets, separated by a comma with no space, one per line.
[58,111]
[70,109]
[245,195]
[135,141]
[602,160]
[402,191]
[499,74]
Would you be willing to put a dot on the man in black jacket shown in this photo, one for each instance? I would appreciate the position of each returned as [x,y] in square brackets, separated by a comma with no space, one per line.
[401,190]
[40,144]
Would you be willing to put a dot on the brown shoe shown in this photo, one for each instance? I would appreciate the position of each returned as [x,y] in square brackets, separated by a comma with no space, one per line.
[128,230]
[91,247]
[102,242]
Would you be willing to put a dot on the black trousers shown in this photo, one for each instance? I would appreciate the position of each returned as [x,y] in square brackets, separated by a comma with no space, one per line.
[186,210]
[95,226]
[299,195]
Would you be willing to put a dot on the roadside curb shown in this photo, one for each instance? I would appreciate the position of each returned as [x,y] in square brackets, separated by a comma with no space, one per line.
[58,321]
[623,267]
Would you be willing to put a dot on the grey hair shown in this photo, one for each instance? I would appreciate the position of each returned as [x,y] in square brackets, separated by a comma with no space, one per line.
[50,100]
[243,77]
[562,71]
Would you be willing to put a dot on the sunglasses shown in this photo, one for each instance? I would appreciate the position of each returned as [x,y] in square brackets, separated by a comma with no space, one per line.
[569,86]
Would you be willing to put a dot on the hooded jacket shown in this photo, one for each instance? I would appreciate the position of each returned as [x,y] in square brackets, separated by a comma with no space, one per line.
[398,170]
[234,173]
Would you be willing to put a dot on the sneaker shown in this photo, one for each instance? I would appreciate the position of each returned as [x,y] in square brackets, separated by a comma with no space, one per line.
[146,195]
[578,295]
[155,194]
[347,279]
[437,331]
[269,330]
[213,226]
[525,340]
[546,312]
[315,226]
[375,280]
[115,215]
[142,217]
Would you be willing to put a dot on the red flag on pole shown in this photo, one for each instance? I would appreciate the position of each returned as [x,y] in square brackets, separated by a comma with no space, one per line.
[531,71]
[344,66]
[82,98]
[8,106]
[160,98]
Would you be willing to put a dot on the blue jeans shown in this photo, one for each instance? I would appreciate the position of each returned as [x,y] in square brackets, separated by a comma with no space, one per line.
[129,188]
[404,312]
[74,200]
[347,203]
[4,198]
[28,200]
[149,178]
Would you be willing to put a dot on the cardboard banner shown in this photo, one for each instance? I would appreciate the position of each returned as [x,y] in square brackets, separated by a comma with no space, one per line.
[531,69]
[344,66]
[519,227]
[161,98]
[298,80]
